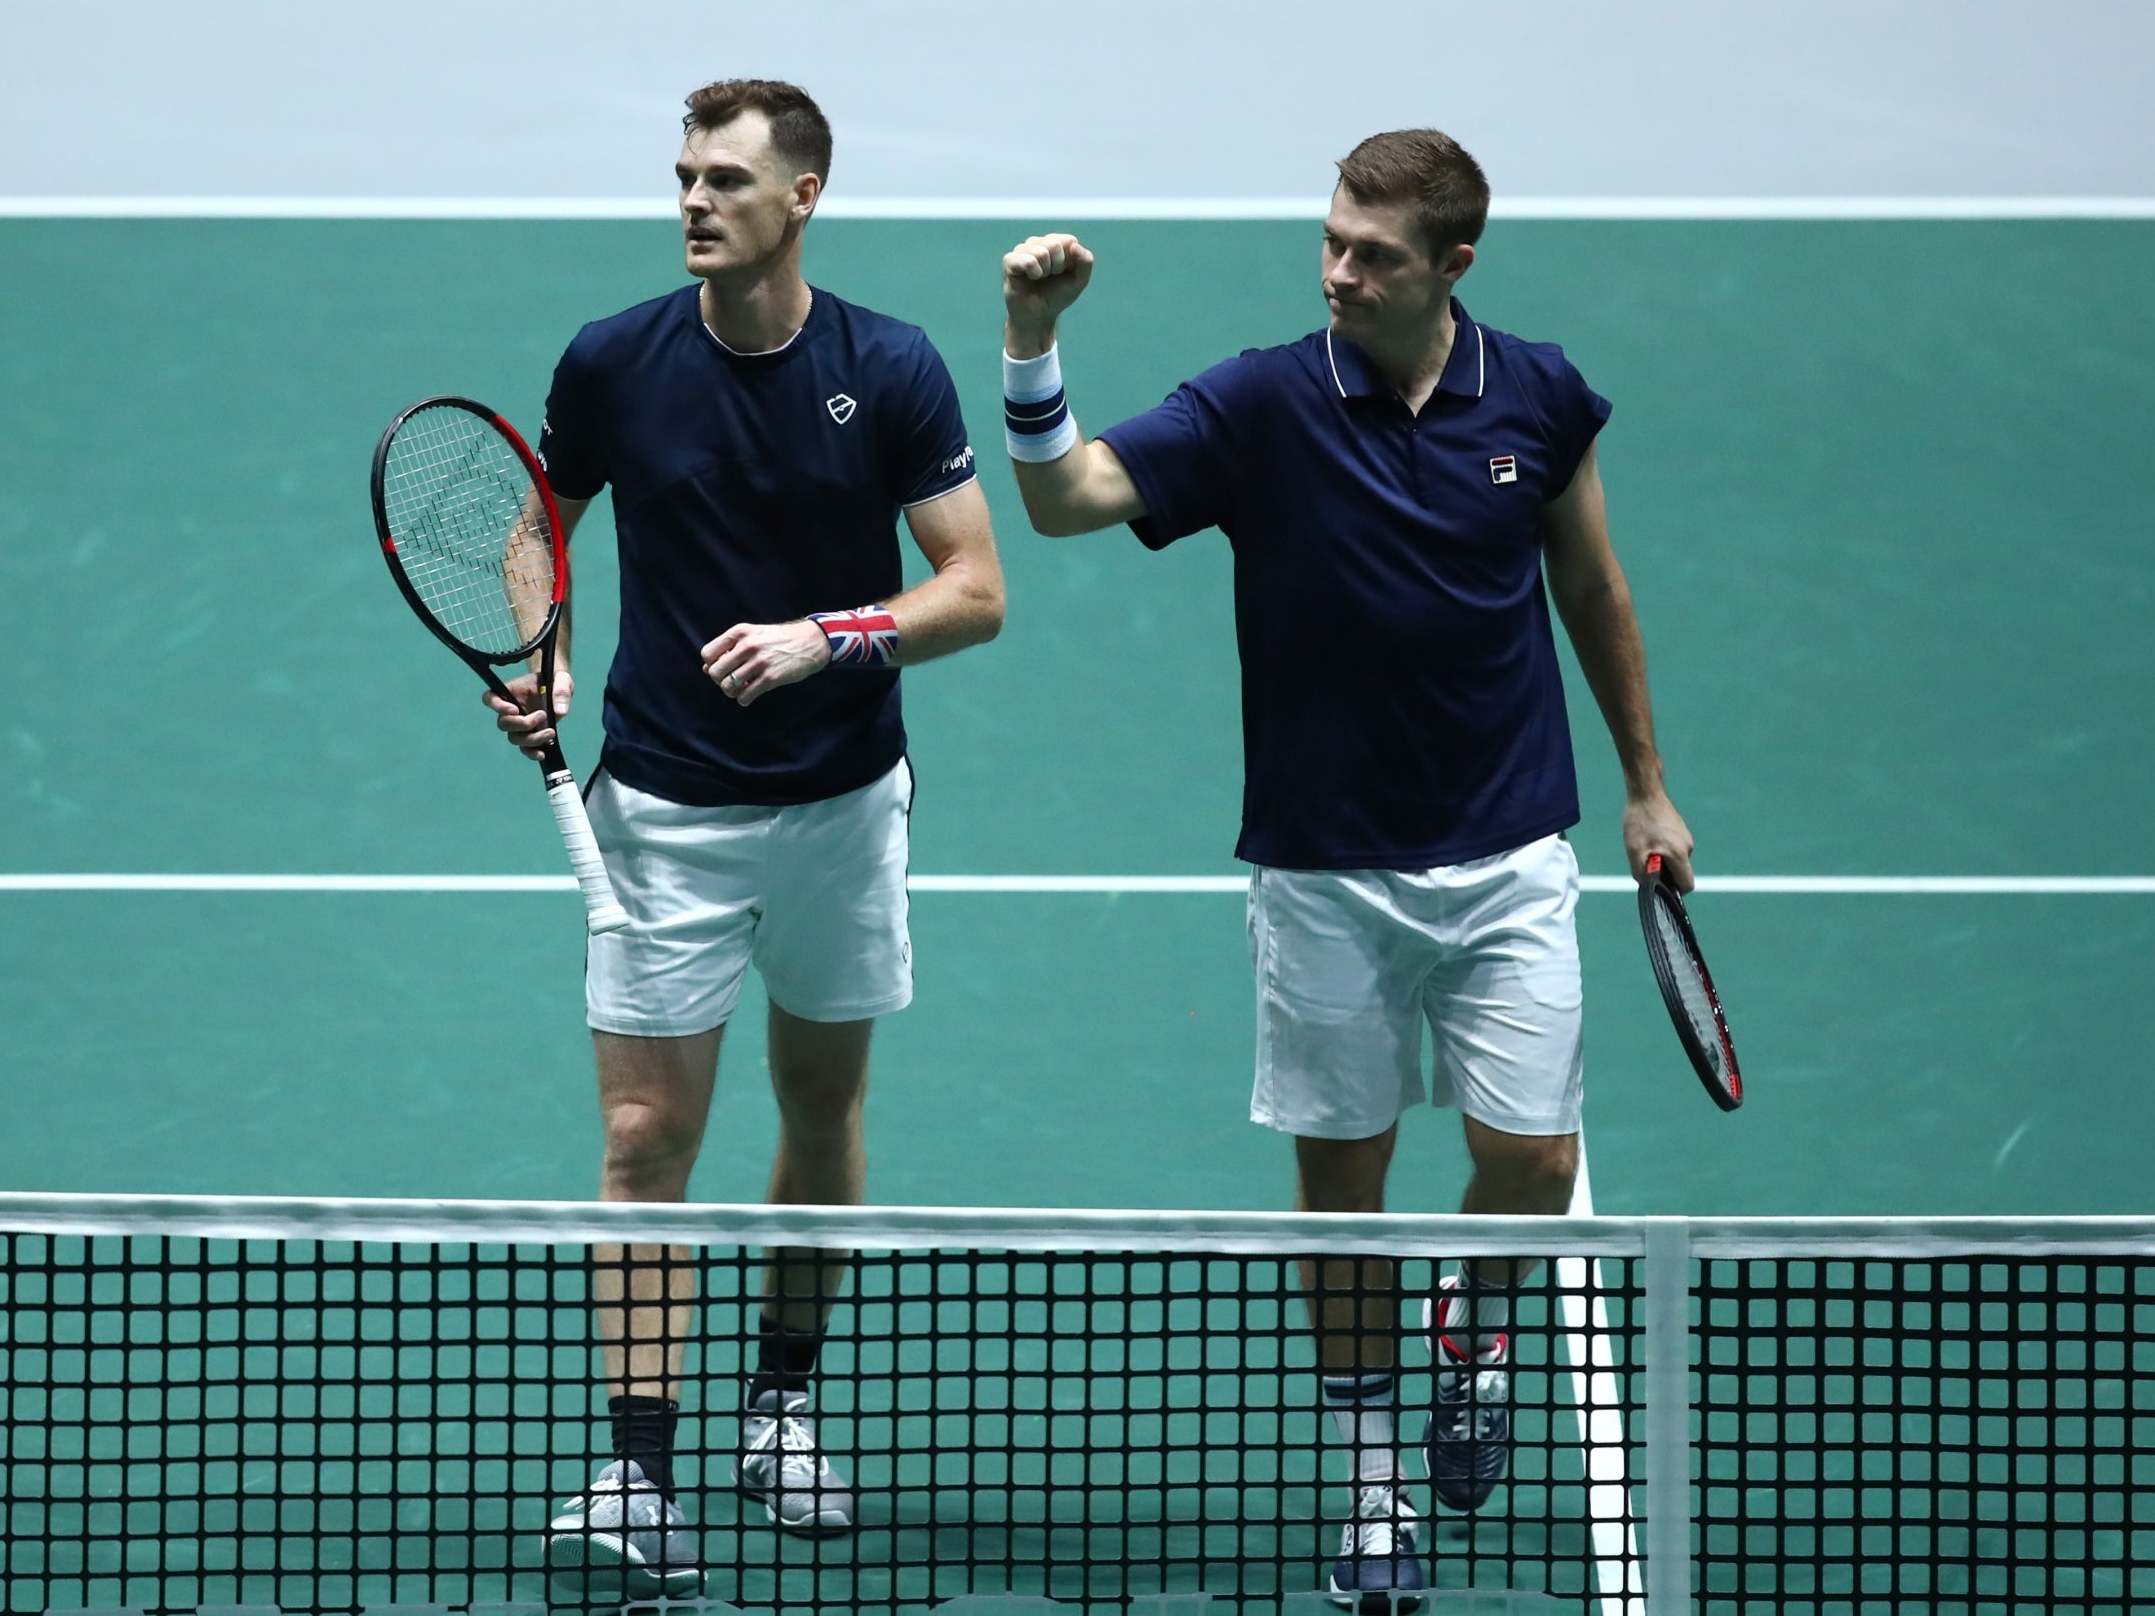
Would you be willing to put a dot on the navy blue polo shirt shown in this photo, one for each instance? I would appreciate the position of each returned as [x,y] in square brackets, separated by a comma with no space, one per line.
[750,488]
[1401,700]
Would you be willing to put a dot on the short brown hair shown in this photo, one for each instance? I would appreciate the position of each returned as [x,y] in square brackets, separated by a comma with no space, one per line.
[799,131]
[1429,170]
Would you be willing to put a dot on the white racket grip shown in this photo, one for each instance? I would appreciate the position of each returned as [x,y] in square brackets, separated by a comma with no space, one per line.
[601,912]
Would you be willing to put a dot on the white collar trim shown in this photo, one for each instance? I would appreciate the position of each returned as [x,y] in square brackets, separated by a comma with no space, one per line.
[1481,362]
[756,353]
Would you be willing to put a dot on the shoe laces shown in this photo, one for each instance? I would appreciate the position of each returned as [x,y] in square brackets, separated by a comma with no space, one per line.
[794,1435]
[1381,1517]
[642,1505]
[1485,1388]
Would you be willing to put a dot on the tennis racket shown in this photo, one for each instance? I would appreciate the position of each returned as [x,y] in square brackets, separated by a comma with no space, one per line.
[1686,987]
[470,532]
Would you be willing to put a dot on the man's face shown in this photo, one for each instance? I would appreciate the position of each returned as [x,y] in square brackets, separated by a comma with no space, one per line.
[1379,280]
[737,196]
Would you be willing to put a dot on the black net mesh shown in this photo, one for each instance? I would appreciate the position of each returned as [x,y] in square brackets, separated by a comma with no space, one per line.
[330,1425]
[1972,1435]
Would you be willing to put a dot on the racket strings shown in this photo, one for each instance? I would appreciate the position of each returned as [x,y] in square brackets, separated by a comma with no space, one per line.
[1698,1004]
[470,530]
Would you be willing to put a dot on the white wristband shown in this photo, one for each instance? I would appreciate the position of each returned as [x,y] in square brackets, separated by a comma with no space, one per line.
[1030,381]
[1037,424]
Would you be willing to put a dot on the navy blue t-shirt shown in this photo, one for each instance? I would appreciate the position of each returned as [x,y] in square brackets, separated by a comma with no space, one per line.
[1401,700]
[750,488]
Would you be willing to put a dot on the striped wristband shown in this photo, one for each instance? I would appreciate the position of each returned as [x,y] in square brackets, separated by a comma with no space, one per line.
[863,638]
[1037,424]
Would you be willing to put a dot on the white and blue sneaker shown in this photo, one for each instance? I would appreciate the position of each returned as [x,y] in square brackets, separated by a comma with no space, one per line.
[1470,1421]
[625,1538]
[1379,1568]
[782,1464]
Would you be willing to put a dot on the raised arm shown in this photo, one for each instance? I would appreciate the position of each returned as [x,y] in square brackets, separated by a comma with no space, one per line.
[1070,485]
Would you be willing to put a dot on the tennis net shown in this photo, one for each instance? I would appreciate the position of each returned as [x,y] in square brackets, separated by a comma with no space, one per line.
[346,1405]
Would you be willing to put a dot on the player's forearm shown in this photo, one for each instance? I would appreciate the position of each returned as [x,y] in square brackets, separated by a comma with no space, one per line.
[1050,488]
[529,623]
[572,512]
[960,606]
[1060,474]
[1604,631]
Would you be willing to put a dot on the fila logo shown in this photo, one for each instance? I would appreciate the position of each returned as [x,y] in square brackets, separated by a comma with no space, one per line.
[1504,469]
[841,408]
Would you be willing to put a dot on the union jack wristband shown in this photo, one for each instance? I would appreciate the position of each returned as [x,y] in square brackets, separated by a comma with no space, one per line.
[866,637]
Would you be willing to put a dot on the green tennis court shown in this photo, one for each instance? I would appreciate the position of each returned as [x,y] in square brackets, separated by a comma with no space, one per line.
[1884,524]
[1889,561]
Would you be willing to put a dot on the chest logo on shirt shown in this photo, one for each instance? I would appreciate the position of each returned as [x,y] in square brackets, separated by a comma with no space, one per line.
[841,408]
[1504,469]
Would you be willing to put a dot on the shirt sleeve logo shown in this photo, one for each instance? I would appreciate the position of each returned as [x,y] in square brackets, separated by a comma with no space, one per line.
[841,408]
[1504,469]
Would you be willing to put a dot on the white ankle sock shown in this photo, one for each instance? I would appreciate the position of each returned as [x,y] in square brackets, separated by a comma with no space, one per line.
[1472,1316]
[1361,1416]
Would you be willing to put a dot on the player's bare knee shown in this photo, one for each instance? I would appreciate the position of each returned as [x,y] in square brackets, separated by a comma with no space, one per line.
[1524,1172]
[1539,1174]
[648,1149]
[1553,1161]
[820,1104]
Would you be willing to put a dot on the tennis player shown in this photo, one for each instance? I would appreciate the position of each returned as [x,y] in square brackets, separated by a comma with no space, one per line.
[1395,487]
[761,437]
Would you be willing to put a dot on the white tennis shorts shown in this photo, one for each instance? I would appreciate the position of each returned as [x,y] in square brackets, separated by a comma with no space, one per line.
[1352,963]
[813,895]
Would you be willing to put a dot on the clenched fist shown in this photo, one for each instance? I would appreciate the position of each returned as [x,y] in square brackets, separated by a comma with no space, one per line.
[1042,276]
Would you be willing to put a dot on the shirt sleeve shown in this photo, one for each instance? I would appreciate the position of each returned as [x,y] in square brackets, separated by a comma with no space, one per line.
[572,438]
[927,451]
[1185,454]
[1576,414]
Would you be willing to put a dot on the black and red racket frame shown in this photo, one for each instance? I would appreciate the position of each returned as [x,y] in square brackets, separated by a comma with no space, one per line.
[541,643]
[1658,891]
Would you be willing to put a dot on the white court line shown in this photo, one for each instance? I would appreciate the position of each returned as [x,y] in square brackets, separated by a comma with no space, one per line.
[1806,885]
[1590,1346]
[1050,208]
